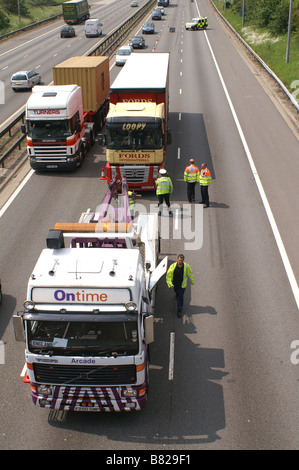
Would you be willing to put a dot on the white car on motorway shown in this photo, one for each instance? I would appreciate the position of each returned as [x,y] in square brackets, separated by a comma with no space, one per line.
[24,79]
[123,54]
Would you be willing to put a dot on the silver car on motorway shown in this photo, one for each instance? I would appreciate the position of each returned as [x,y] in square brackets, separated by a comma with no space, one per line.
[24,79]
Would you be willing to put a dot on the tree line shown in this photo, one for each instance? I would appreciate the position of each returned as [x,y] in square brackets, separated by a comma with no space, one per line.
[11,7]
[270,14]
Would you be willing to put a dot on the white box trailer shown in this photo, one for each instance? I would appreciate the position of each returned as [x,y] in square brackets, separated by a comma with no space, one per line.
[137,131]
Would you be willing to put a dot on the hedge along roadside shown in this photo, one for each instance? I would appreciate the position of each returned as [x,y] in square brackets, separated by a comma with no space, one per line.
[258,58]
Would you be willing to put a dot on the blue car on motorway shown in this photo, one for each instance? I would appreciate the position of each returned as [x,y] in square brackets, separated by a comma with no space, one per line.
[156,15]
[148,28]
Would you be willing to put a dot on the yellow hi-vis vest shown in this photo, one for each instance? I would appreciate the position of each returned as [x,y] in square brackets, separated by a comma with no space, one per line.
[187,274]
[191,174]
[132,200]
[205,177]
[164,185]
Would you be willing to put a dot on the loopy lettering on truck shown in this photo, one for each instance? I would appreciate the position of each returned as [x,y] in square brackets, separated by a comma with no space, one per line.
[134,126]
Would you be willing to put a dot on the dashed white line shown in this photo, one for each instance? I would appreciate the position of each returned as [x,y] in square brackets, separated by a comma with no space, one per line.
[277,236]
[171,356]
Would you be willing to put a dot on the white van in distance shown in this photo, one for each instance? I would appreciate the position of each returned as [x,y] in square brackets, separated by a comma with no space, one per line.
[93,28]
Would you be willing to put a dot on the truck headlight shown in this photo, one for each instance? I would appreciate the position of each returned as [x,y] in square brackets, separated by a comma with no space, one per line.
[29,304]
[130,306]
[129,393]
[44,390]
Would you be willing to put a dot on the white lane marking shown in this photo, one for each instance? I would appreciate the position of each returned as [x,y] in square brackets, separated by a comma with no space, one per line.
[17,191]
[24,370]
[28,42]
[171,356]
[277,236]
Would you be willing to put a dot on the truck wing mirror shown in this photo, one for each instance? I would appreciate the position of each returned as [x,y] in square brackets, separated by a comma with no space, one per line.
[23,128]
[102,139]
[18,327]
[149,329]
[168,136]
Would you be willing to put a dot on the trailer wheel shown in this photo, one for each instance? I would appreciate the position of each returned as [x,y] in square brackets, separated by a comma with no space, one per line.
[81,156]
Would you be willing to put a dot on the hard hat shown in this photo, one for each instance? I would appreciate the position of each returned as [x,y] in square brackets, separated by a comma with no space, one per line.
[130,193]
[162,171]
[191,160]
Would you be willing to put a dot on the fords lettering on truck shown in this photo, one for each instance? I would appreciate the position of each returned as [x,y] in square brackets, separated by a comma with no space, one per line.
[133,157]
[138,100]
[80,296]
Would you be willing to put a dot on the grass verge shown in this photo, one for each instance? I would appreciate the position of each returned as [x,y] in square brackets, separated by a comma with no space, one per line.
[272,50]
[36,14]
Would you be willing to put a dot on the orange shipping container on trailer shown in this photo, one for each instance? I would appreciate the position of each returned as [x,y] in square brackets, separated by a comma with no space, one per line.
[91,73]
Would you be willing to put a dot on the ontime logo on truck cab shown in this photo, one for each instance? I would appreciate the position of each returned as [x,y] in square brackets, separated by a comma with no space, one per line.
[45,295]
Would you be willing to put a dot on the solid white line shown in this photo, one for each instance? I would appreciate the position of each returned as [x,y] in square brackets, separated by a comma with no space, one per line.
[14,195]
[171,356]
[23,370]
[278,239]
[28,42]
[179,153]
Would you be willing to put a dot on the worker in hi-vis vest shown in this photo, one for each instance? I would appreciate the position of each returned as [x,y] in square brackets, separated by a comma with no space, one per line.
[164,188]
[204,181]
[177,277]
[191,177]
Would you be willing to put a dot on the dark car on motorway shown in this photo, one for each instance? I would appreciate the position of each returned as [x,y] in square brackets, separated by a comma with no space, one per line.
[24,79]
[156,15]
[137,42]
[161,9]
[67,32]
[148,28]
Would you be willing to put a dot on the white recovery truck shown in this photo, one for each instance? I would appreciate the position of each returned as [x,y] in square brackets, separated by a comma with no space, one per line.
[88,318]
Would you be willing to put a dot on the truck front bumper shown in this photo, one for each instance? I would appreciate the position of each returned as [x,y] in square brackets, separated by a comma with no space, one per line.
[67,164]
[96,399]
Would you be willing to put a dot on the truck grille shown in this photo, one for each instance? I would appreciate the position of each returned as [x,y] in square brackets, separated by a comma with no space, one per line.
[85,375]
[52,153]
[135,174]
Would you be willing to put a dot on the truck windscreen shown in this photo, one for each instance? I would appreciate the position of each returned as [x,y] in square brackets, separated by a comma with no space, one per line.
[49,129]
[122,136]
[82,338]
